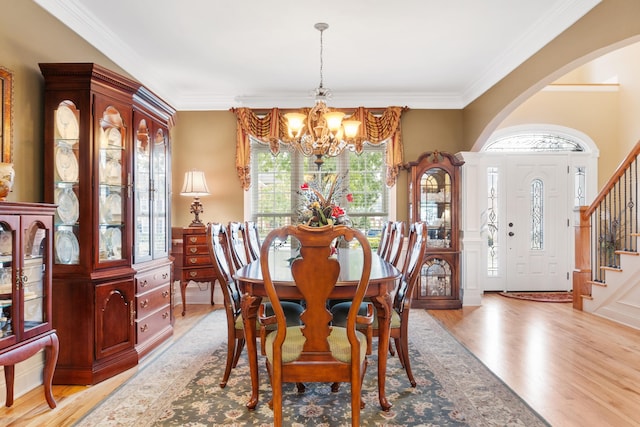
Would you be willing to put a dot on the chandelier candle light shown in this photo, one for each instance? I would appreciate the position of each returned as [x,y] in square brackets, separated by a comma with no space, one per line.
[325,133]
[195,185]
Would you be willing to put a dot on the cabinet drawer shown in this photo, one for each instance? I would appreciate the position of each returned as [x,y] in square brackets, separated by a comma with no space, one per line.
[153,300]
[147,281]
[199,239]
[196,250]
[197,260]
[149,326]
[196,274]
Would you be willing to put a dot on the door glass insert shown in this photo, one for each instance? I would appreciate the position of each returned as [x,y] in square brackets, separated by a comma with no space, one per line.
[537,214]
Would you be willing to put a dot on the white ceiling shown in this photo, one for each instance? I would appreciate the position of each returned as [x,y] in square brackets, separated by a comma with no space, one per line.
[218,54]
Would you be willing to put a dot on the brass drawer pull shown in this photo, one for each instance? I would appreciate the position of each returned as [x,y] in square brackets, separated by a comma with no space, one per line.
[193,260]
[165,294]
[144,328]
[193,250]
[143,283]
[144,303]
[165,315]
[193,273]
[193,239]
[165,276]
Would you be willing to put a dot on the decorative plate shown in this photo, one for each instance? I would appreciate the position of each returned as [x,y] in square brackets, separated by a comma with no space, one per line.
[68,205]
[114,137]
[67,247]
[66,164]
[67,123]
[113,212]
[115,242]
[113,172]
[6,241]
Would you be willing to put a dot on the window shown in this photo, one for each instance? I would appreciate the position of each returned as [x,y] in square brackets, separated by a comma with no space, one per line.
[276,179]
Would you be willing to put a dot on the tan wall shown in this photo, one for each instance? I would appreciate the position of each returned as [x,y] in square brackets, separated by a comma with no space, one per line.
[206,140]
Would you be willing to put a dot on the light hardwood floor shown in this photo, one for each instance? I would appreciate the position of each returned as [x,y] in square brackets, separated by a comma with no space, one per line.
[573,368]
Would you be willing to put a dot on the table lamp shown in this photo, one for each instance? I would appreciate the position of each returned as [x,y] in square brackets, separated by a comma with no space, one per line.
[195,185]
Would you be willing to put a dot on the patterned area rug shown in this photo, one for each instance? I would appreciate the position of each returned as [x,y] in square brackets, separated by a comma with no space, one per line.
[180,387]
[540,296]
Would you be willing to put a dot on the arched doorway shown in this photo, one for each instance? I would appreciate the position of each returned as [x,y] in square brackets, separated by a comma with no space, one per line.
[519,193]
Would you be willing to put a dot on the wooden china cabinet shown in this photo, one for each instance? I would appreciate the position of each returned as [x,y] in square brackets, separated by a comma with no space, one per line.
[434,197]
[107,168]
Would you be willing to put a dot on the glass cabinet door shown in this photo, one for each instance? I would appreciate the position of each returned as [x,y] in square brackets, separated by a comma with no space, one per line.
[66,189]
[112,185]
[435,206]
[8,293]
[435,279]
[160,201]
[142,200]
[33,276]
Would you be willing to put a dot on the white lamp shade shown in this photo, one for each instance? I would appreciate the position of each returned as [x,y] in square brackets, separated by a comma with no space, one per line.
[351,128]
[334,120]
[195,184]
[295,121]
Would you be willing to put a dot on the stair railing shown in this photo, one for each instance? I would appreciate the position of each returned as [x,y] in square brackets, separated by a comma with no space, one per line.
[607,227]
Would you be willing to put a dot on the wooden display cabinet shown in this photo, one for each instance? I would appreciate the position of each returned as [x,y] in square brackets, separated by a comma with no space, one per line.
[112,221]
[434,198]
[25,290]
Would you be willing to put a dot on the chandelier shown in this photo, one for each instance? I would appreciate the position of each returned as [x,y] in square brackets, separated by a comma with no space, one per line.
[324,133]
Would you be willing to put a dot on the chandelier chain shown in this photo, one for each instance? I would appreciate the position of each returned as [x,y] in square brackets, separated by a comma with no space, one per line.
[321,61]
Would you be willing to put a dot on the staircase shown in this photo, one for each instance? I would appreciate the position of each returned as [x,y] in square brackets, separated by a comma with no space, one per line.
[618,297]
[606,279]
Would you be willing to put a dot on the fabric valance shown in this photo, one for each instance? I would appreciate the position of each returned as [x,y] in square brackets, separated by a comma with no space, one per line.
[271,128]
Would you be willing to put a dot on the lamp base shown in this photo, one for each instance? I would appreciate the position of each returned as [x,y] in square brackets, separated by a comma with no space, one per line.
[196,209]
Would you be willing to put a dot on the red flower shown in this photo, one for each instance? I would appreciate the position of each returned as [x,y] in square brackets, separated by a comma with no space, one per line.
[304,186]
[349,197]
[337,211]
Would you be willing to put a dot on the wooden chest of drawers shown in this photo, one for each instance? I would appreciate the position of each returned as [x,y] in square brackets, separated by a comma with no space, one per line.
[192,260]
[153,307]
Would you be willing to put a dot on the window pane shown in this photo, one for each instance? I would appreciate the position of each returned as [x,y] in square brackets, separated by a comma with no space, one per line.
[276,179]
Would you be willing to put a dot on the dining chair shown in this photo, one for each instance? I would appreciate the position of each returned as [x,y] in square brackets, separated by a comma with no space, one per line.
[217,240]
[316,351]
[396,241]
[237,251]
[252,240]
[401,300]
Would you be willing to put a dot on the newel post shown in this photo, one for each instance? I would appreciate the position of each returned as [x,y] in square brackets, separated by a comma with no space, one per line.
[582,271]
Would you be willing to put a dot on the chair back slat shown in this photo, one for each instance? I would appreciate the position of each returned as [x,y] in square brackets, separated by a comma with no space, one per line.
[235,232]
[252,240]
[383,247]
[411,270]
[218,243]
[396,239]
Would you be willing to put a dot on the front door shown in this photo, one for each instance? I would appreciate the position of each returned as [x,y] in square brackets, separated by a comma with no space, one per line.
[536,228]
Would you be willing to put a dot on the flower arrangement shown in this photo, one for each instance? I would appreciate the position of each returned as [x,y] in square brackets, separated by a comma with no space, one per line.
[320,201]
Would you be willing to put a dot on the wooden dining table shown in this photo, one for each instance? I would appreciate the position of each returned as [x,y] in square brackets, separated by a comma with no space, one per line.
[382,281]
